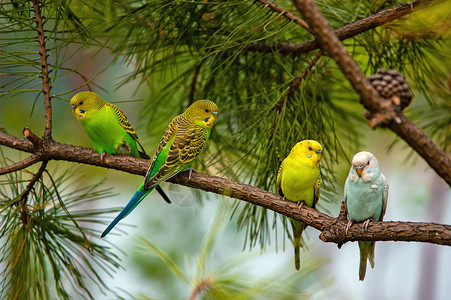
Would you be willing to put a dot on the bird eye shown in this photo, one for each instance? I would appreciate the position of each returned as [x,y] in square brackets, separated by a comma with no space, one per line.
[368,163]
[207,110]
[81,103]
[310,148]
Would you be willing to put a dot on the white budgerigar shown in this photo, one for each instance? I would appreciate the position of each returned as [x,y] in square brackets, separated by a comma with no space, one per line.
[366,194]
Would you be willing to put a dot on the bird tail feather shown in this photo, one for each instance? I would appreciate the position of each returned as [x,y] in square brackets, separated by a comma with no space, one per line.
[139,195]
[366,253]
[298,228]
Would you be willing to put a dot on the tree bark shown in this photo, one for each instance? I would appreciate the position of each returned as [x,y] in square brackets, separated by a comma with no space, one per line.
[333,229]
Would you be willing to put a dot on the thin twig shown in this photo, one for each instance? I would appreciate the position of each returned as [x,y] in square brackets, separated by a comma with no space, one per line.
[31,136]
[192,86]
[286,14]
[203,285]
[33,180]
[438,160]
[344,32]
[30,160]
[44,70]
[298,80]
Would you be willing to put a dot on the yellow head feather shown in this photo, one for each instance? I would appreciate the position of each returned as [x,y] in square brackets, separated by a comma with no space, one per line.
[203,113]
[86,101]
[309,151]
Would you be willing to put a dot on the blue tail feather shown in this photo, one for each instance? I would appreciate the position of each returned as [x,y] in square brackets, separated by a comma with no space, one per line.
[139,195]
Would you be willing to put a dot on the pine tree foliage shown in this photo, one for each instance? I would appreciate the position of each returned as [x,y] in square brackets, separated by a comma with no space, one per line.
[49,246]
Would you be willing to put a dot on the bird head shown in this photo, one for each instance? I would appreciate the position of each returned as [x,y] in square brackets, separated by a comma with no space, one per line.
[364,164]
[203,113]
[308,149]
[84,102]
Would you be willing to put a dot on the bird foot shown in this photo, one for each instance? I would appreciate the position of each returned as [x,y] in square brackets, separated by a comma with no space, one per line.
[102,156]
[365,224]
[300,204]
[123,149]
[348,226]
[190,170]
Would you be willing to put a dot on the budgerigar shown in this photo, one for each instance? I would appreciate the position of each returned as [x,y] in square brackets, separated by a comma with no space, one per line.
[366,194]
[299,180]
[183,140]
[108,128]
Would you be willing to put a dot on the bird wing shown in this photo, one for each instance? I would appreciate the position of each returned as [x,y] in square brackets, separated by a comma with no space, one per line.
[384,196]
[316,191]
[161,153]
[279,179]
[182,149]
[345,197]
[123,121]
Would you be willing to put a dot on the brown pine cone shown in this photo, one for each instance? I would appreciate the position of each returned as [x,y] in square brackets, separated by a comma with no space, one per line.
[392,86]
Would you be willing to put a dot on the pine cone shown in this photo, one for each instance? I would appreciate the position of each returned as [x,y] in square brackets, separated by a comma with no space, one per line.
[392,86]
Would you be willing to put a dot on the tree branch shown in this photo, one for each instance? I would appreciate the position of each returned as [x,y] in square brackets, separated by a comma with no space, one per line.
[44,70]
[33,180]
[342,33]
[286,14]
[29,161]
[387,114]
[333,228]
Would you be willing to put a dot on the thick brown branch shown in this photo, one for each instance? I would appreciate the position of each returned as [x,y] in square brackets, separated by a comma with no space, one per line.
[30,160]
[332,228]
[436,158]
[439,161]
[344,32]
[286,14]
[44,70]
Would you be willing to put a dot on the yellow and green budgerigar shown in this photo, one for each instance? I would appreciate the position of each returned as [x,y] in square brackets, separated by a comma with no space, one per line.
[108,128]
[299,180]
[183,140]
[106,125]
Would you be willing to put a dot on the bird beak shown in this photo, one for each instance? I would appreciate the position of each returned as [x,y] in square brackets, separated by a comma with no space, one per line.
[359,171]
[73,106]
[319,152]
[215,113]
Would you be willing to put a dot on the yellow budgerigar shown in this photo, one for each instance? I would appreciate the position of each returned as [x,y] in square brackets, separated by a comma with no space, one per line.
[299,180]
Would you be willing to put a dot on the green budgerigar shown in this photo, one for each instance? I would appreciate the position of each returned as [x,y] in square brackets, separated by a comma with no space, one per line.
[108,128]
[299,180]
[366,195]
[183,140]
[106,125]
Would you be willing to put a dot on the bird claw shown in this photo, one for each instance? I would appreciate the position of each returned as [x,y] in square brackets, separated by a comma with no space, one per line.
[102,156]
[190,170]
[348,226]
[300,204]
[365,224]
[124,145]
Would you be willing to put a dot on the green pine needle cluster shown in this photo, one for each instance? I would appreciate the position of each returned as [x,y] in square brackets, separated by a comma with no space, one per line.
[49,245]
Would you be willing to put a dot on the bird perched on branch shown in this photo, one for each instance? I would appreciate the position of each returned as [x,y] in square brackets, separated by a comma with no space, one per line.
[183,140]
[108,128]
[299,180]
[366,194]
